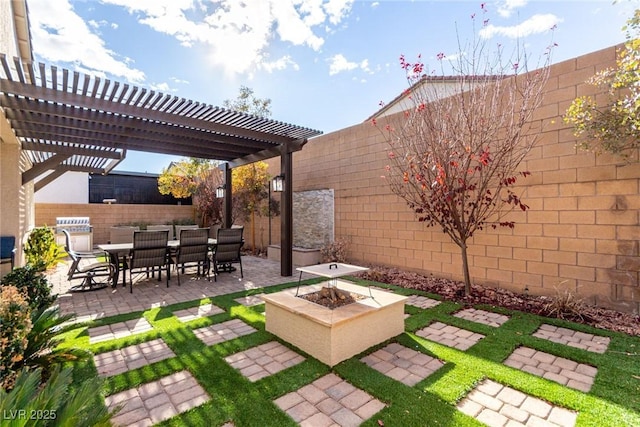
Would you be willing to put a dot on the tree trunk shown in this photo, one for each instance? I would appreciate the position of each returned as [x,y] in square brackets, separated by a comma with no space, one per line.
[465,268]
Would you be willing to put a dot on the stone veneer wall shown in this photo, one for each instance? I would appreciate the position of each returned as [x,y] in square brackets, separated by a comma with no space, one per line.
[313,218]
[581,233]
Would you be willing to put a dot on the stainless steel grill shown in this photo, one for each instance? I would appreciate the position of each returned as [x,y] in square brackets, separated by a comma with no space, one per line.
[79,227]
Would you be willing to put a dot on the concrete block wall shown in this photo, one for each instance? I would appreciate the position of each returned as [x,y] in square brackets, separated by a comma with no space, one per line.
[102,217]
[581,232]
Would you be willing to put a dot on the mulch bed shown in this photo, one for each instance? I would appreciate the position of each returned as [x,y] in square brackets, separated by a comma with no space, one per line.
[563,306]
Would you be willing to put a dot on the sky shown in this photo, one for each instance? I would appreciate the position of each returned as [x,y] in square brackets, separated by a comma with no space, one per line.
[324,64]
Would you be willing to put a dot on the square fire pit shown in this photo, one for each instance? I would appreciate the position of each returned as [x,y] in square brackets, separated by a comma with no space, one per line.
[334,335]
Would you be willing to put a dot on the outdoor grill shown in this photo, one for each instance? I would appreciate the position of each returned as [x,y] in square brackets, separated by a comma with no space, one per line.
[80,230]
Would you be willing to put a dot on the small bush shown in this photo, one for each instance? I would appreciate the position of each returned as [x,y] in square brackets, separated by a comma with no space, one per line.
[15,325]
[32,283]
[335,251]
[565,305]
[41,247]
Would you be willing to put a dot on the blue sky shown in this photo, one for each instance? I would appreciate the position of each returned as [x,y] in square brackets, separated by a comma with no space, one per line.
[325,65]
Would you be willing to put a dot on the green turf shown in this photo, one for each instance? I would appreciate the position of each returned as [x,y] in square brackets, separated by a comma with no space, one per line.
[614,399]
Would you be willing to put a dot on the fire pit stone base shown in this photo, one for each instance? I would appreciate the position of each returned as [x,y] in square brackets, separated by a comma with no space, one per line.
[334,335]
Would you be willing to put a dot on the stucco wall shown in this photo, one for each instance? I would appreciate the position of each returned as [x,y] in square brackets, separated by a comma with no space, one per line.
[580,233]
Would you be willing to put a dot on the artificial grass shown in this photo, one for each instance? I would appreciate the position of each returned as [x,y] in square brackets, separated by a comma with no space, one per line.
[614,399]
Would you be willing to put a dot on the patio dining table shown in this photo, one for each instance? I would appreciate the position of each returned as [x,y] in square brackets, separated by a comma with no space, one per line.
[116,250]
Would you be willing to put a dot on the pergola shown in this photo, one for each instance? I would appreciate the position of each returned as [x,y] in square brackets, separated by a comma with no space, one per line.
[69,121]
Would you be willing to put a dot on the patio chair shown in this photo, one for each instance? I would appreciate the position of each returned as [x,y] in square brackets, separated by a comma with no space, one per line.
[122,234]
[150,250]
[227,250]
[89,270]
[8,250]
[194,248]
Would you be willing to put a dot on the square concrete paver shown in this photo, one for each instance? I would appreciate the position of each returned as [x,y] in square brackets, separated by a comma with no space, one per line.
[329,401]
[402,364]
[264,360]
[422,302]
[497,405]
[449,335]
[482,316]
[132,357]
[583,340]
[564,371]
[193,313]
[157,401]
[224,331]
[119,330]
[250,301]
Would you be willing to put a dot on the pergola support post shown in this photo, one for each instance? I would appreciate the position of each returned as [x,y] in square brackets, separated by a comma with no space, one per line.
[228,197]
[286,213]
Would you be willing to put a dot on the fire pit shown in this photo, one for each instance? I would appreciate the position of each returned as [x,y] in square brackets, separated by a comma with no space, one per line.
[332,297]
[332,335]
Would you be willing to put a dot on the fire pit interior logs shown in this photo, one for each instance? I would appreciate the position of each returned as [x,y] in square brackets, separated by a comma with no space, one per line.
[332,297]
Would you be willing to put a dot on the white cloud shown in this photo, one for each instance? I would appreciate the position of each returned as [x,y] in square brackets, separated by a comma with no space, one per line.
[279,64]
[534,25]
[506,7]
[338,64]
[60,35]
[375,4]
[238,34]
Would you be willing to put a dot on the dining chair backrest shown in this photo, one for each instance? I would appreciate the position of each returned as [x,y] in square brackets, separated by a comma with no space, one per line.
[194,245]
[179,228]
[228,244]
[149,249]
[162,227]
[122,234]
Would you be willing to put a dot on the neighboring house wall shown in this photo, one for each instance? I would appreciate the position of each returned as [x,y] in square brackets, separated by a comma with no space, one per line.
[581,232]
[72,187]
[16,207]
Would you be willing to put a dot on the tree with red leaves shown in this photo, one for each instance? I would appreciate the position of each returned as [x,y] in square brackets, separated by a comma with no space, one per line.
[455,153]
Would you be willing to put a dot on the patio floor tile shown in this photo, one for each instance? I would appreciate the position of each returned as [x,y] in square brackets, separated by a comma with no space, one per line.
[336,403]
[449,335]
[422,302]
[264,360]
[132,357]
[402,364]
[143,408]
[118,330]
[585,341]
[564,371]
[496,406]
[193,313]
[482,316]
[224,331]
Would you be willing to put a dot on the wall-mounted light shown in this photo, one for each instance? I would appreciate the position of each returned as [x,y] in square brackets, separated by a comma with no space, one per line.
[220,192]
[278,183]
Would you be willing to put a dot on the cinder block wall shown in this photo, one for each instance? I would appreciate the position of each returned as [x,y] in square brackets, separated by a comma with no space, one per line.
[102,217]
[581,232]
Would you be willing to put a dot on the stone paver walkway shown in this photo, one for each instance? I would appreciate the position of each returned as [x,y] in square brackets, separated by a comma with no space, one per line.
[422,302]
[573,338]
[558,369]
[250,301]
[449,335]
[329,401]
[264,360]
[225,331]
[497,406]
[482,316]
[119,330]
[402,364]
[132,357]
[193,313]
[157,401]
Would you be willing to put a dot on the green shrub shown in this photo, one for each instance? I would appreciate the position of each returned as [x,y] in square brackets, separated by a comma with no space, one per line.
[32,283]
[15,325]
[54,402]
[41,246]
